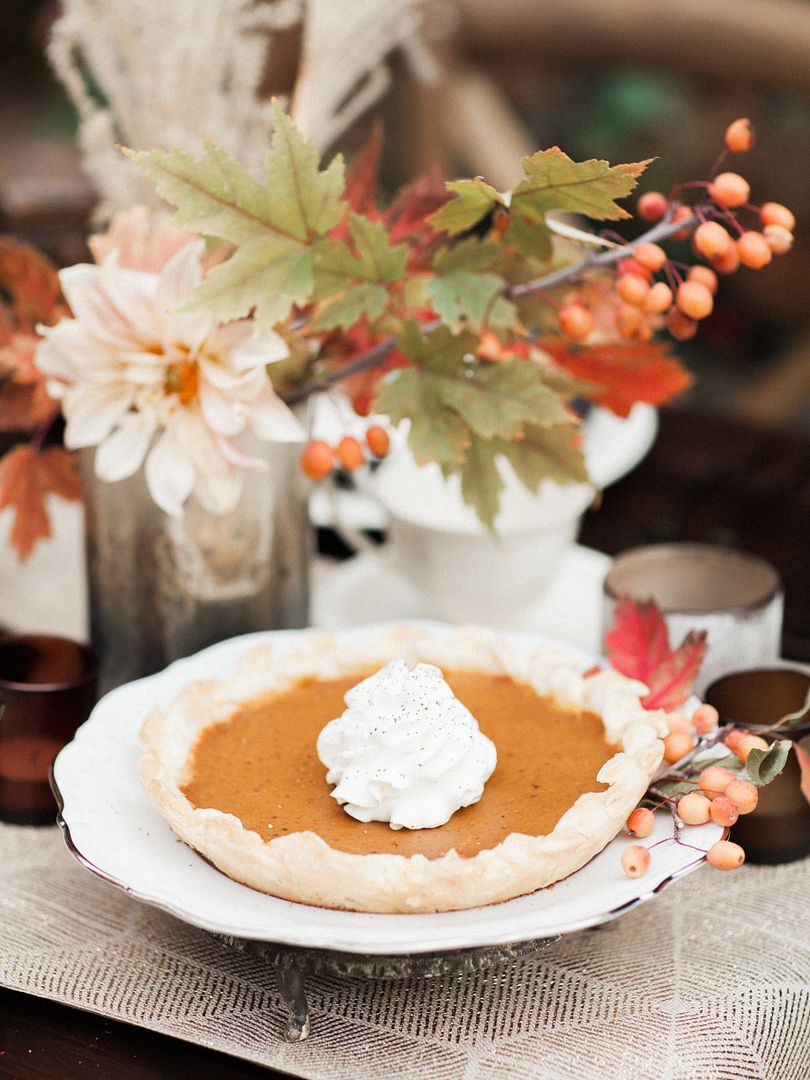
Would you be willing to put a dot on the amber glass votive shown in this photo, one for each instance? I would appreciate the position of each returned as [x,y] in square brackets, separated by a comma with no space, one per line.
[779,829]
[47,689]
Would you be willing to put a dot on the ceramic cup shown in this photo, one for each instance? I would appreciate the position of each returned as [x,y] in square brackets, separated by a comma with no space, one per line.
[779,829]
[737,598]
[47,688]
[461,572]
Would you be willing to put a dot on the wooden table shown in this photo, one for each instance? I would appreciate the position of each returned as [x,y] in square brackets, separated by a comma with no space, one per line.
[705,479]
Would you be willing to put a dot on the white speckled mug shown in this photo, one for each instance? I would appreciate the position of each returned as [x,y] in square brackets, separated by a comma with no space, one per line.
[736,597]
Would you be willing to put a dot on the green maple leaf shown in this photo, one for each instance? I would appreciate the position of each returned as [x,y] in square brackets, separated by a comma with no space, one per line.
[273,223]
[551,452]
[481,482]
[436,432]
[491,399]
[353,281]
[466,290]
[554,181]
[473,201]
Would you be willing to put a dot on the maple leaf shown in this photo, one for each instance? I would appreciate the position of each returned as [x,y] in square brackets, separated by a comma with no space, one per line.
[473,201]
[353,280]
[491,399]
[361,177]
[638,647]
[436,433]
[622,374]
[481,482]
[465,289]
[24,401]
[554,452]
[272,223]
[30,283]
[27,476]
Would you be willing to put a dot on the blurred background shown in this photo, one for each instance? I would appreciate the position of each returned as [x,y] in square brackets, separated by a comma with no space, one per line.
[619,79]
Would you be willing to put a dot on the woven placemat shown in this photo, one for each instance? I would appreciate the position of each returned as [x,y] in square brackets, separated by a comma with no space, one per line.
[710,980]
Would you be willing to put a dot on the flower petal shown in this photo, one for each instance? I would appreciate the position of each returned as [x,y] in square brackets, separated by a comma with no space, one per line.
[169,473]
[273,421]
[222,414]
[121,454]
[115,304]
[92,412]
[259,351]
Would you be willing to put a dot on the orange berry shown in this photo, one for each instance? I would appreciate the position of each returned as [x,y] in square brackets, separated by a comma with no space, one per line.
[744,794]
[739,136]
[362,404]
[628,321]
[694,808]
[705,276]
[730,189]
[681,214]
[749,743]
[676,746]
[650,256]
[631,265]
[728,263]
[705,718]
[576,322]
[632,289]
[773,213]
[724,811]
[350,453]
[711,240]
[658,299]
[778,238]
[752,247]
[641,822]
[735,737]
[681,327]
[378,440]
[678,722]
[714,780]
[652,205]
[317,459]
[635,860]
[725,856]
[694,300]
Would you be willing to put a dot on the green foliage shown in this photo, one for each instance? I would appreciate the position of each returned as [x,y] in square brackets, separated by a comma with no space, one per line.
[354,282]
[763,766]
[466,291]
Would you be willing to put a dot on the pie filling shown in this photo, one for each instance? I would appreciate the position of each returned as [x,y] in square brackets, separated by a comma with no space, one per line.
[261,766]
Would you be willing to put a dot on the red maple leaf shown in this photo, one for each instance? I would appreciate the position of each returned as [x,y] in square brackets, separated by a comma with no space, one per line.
[638,647]
[802,748]
[27,476]
[623,374]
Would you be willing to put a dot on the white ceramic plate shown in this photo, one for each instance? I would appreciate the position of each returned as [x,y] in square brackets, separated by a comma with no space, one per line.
[113,830]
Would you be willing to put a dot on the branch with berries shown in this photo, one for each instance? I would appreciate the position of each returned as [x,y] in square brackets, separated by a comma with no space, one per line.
[710,772]
[478,316]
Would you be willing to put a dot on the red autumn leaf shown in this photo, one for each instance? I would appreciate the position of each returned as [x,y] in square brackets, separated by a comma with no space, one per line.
[802,748]
[623,374]
[24,401]
[27,476]
[30,285]
[638,647]
[406,216]
[361,179]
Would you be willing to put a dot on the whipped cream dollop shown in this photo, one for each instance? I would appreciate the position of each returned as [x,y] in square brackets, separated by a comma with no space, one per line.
[406,750]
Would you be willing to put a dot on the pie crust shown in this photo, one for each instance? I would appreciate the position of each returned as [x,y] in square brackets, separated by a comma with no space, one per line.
[302,866]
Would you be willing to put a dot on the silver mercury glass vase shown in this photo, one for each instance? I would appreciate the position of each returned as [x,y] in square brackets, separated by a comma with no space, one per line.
[163,587]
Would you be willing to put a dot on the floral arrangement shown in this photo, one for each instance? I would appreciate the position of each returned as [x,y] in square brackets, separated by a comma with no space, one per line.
[479,317]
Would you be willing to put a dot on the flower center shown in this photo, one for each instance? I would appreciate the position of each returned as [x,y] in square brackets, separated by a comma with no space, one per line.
[182,379]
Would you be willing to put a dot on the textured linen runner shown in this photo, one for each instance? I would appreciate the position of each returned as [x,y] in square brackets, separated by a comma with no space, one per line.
[711,980]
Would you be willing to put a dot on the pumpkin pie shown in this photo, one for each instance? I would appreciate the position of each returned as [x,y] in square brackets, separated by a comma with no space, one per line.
[232,765]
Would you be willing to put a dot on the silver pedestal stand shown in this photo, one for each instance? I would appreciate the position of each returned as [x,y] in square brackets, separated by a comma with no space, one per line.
[292,965]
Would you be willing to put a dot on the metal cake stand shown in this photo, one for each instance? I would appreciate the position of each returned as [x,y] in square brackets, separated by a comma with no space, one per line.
[293,965]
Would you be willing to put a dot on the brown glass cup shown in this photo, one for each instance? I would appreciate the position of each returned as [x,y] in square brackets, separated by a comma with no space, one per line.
[778,830]
[47,689]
